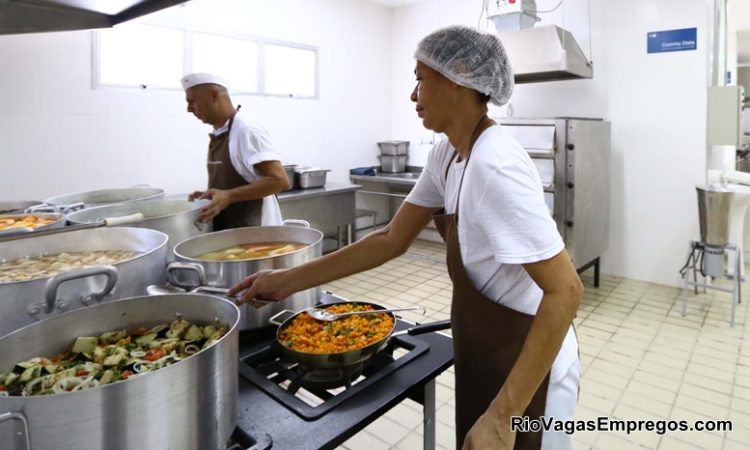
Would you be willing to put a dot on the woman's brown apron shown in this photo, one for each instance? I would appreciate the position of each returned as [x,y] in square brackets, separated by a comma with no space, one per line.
[487,336]
[223,175]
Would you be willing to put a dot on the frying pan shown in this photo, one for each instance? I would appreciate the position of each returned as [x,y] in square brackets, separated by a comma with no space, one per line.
[350,357]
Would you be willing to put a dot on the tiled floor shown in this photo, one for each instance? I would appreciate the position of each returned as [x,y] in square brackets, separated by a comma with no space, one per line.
[640,358]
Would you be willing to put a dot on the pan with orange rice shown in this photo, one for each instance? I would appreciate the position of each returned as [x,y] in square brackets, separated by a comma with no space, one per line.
[343,342]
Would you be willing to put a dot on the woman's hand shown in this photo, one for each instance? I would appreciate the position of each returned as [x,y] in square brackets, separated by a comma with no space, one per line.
[268,285]
[490,432]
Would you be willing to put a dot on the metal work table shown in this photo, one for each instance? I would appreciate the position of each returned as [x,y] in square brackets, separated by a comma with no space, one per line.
[330,209]
[259,414]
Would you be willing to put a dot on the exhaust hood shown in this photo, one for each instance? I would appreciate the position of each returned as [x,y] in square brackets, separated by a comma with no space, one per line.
[545,53]
[35,16]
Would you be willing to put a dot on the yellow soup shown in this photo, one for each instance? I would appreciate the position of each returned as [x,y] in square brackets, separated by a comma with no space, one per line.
[251,251]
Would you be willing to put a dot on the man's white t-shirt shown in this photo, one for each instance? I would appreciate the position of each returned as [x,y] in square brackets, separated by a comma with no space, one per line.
[250,144]
[503,221]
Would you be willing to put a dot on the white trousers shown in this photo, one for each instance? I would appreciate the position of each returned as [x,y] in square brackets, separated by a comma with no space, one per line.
[562,396]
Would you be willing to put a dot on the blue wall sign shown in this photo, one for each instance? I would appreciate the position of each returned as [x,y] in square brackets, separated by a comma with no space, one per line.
[672,40]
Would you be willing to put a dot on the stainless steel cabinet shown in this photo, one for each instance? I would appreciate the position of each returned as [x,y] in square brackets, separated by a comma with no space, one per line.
[572,156]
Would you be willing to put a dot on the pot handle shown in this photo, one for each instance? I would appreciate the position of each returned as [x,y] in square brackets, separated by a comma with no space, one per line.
[297,223]
[200,226]
[73,207]
[176,266]
[275,318]
[24,421]
[50,290]
[42,208]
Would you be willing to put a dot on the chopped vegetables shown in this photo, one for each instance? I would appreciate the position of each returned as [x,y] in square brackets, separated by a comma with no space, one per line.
[308,335]
[25,269]
[93,361]
[251,251]
[21,221]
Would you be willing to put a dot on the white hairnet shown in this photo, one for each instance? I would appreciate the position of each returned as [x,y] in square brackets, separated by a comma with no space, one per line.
[469,58]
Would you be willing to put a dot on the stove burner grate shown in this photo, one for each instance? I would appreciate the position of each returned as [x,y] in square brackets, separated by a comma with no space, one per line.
[312,393]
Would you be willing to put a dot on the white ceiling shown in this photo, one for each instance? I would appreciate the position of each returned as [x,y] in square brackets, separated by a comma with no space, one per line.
[395,3]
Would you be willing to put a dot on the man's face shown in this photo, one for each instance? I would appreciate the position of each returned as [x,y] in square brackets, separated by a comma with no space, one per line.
[200,102]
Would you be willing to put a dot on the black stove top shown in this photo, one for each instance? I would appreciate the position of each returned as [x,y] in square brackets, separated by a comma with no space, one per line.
[311,393]
[283,405]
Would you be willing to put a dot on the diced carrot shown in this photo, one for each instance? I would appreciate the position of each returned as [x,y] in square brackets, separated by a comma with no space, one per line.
[154,354]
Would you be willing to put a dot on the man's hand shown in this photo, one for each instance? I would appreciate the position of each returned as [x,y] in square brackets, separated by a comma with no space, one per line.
[195,195]
[490,432]
[220,199]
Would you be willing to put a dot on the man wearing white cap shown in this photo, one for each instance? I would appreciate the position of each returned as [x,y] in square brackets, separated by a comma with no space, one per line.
[244,172]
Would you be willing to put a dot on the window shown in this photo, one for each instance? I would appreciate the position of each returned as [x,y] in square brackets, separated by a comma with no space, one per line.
[152,56]
[290,71]
[235,59]
[140,55]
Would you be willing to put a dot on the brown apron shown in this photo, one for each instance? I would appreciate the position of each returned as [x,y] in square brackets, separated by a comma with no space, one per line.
[487,336]
[223,175]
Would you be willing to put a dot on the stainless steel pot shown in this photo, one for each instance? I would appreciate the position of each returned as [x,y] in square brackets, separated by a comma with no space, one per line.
[13,207]
[189,272]
[58,222]
[24,302]
[79,200]
[178,219]
[189,405]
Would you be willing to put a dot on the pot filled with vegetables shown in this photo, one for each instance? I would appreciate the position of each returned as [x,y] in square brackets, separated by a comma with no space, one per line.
[144,372]
[224,258]
[42,276]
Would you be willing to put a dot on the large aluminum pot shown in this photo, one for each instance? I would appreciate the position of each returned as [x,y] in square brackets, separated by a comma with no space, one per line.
[177,218]
[79,200]
[189,272]
[24,302]
[58,221]
[188,405]
[16,207]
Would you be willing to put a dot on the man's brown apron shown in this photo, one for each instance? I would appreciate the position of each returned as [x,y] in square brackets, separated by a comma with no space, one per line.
[223,175]
[487,336]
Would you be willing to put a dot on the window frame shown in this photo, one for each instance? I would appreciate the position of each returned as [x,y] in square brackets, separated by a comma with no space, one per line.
[187,61]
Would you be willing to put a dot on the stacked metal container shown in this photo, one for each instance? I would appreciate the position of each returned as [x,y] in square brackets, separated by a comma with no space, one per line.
[393,156]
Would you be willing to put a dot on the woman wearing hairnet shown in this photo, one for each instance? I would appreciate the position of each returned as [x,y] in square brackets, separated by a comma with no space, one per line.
[515,290]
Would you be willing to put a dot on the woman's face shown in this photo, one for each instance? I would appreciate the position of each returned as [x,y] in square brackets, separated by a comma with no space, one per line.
[430,95]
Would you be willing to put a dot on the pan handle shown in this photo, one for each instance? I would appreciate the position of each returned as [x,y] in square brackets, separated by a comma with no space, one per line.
[425,328]
[19,416]
[275,318]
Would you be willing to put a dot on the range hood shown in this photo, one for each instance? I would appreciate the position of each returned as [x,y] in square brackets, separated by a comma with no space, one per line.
[546,53]
[35,16]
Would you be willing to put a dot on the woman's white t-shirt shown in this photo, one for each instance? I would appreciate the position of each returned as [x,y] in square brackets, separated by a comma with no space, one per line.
[503,221]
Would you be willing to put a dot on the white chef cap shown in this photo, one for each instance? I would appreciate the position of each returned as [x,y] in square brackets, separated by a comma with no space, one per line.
[469,58]
[194,79]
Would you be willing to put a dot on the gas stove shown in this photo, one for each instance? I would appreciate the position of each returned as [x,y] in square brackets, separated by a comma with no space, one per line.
[289,406]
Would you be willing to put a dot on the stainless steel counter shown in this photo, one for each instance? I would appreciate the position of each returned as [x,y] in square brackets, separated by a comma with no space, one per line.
[405,179]
[330,209]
